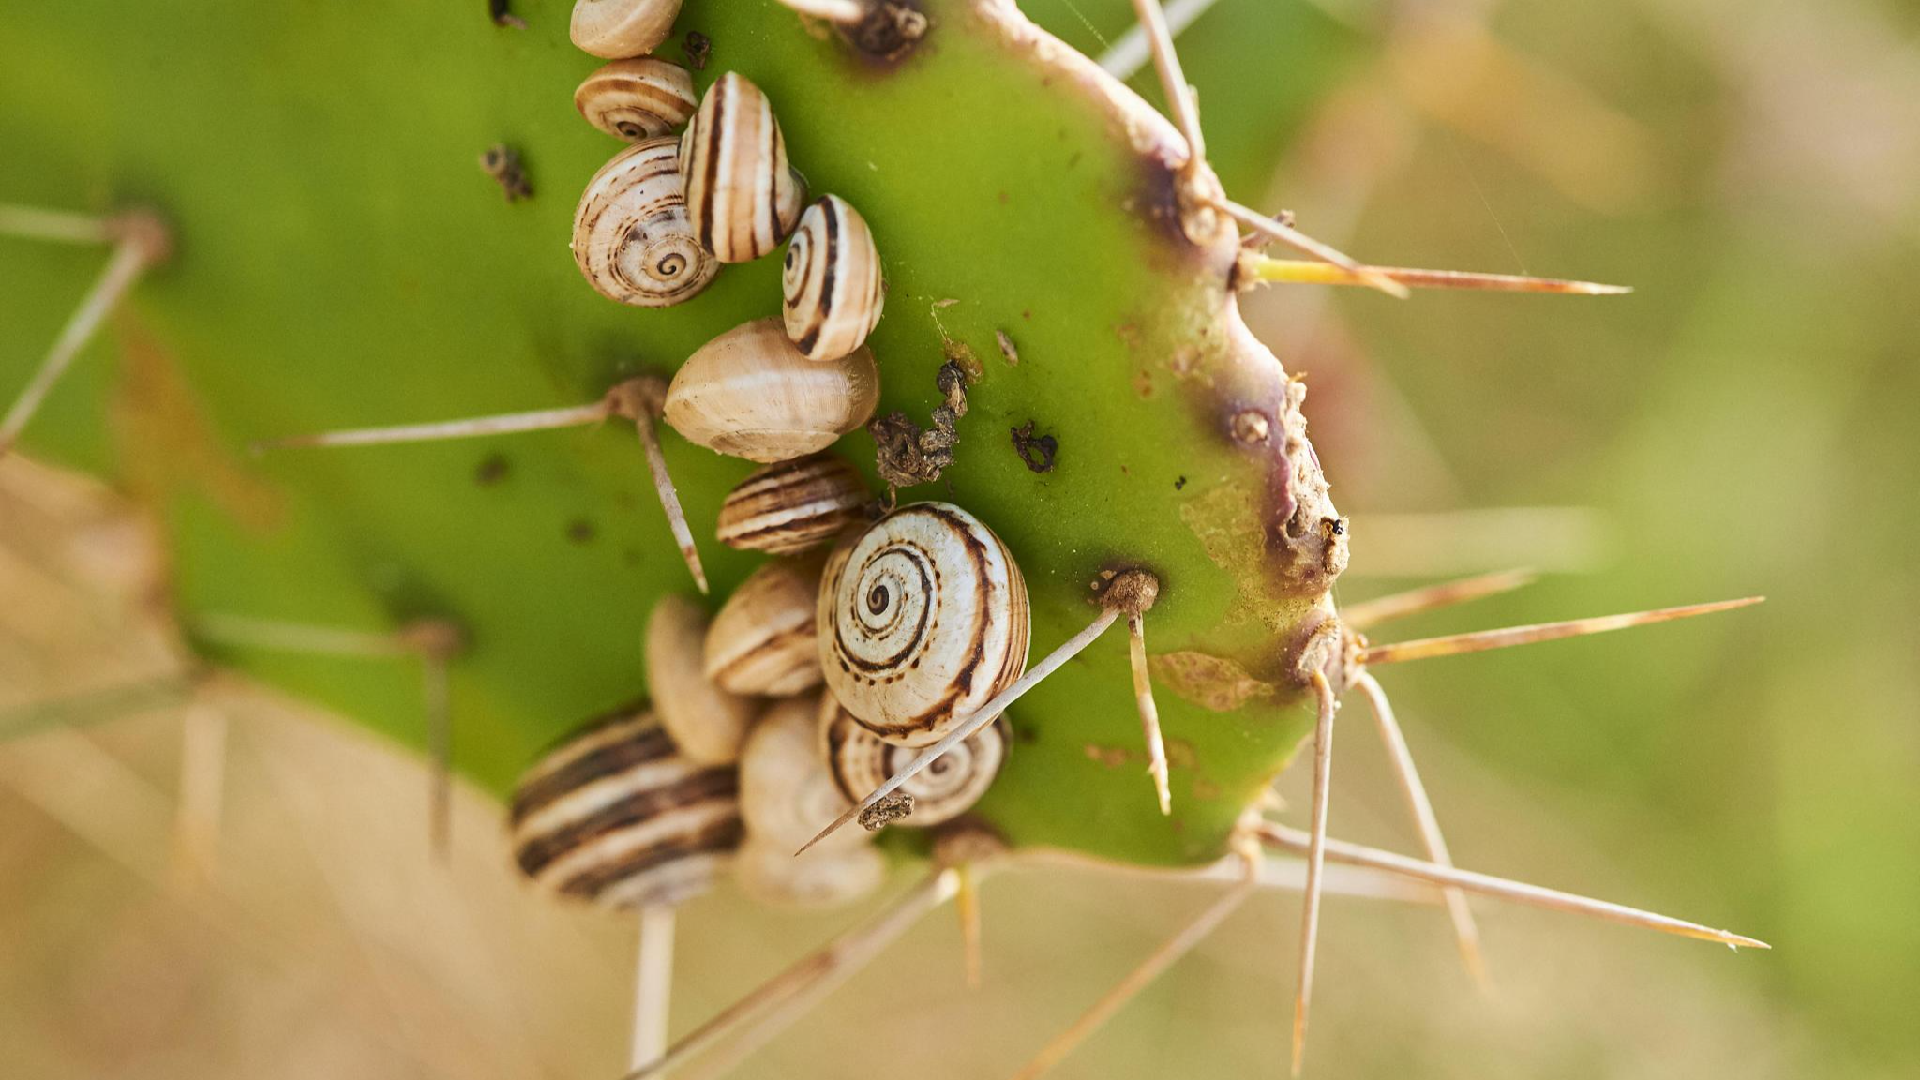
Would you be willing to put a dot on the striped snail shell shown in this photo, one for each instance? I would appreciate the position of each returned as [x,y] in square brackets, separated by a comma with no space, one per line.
[771,874]
[922,620]
[831,280]
[631,234]
[615,29]
[708,724]
[786,791]
[742,196]
[749,393]
[761,642]
[641,98]
[617,817]
[793,505]
[861,761]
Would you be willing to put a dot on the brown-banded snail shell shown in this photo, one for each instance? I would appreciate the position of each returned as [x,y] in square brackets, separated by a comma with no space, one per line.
[641,98]
[831,280]
[749,393]
[708,724]
[861,761]
[761,642]
[922,620]
[742,195]
[616,816]
[631,234]
[616,29]
[793,505]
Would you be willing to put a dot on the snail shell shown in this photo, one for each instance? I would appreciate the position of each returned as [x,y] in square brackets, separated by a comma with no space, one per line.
[631,235]
[831,280]
[749,393]
[786,791]
[861,761]
[922,620]
[708,724]
[771,874]
[761,642]
[743,197]
[793,505]
[641,98]
[617,817]
[615,29]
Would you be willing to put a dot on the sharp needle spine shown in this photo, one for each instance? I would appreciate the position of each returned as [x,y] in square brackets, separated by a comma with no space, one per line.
[1506,637]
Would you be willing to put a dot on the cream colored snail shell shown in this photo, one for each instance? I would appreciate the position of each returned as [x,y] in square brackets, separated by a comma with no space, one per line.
[831,280]
[616,29]
[631,235]
[922,620]
[771,874]
[793,505]
[861,761]
[616,816]
[641,98]
[761,642]
[708,724]
[786,791]
[742,195]
[749,393]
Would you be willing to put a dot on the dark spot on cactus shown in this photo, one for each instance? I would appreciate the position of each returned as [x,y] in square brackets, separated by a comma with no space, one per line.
[503,164]
[492,470]
[497,11]
[1037,451]
[890,31]
[581,532]
[906,454]
[697,48]
[1180,483]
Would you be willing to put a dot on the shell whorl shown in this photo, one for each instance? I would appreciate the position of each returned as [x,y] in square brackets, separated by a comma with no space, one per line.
[831,280]
[614,29]
[742,195]
[793,505]
[922,620]
[617,817]
[641,98]
[861,761]
[631,234]
[762,640]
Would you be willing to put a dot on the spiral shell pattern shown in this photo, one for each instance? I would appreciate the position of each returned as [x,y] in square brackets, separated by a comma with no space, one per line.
[922,620]
[631,234]
[615,816]
[831,280]
[615,29]
[741,194]
[793,505]
[948,787]
[636,99]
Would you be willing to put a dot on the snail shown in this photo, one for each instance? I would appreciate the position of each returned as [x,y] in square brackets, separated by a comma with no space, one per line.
[785,789]
[636,99]
[761,642]
[793,505]
[632,237]
[708,724]
[616,29]
[742,196]
[860,761]
[922,620]
[831,280]
[749,393]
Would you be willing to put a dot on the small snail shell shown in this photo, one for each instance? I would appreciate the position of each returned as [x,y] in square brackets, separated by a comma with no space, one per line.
[617,817]
[708,724]
[616,29]
[861,761]
[772,875]
[793,505]
[631,235]
[761,642]
[786,792]
[641,98]
[749,393]
[741,194]
[922,620]
[831,280]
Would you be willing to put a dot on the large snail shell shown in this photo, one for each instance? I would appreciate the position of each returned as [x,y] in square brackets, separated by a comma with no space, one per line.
[742,195]
[831,280]
[631,235]
[861,761]
[761,642]
[641,98]
[617,817]
[707,723]
[922,620]
[786,792]
[616,29]
[772,875]
[793,505]
[749,393]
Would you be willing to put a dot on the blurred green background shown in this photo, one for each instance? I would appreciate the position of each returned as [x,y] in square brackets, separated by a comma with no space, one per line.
[1741,424]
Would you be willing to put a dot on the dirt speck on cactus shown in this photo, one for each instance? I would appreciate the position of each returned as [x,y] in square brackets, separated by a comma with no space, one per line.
[1036,450]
